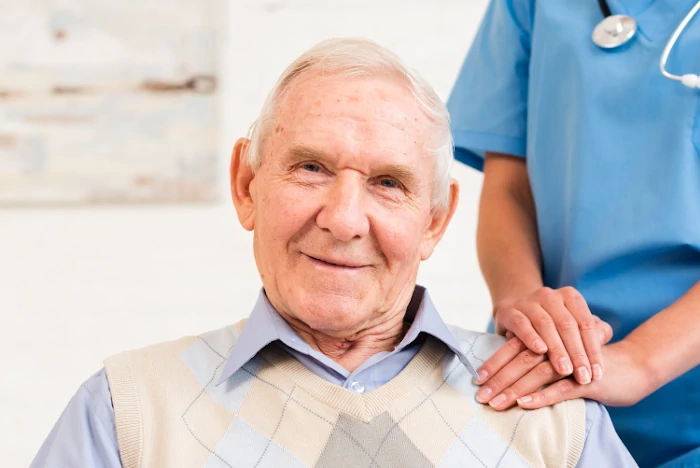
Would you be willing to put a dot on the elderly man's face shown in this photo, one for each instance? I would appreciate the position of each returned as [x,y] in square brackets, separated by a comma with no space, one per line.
[341,204]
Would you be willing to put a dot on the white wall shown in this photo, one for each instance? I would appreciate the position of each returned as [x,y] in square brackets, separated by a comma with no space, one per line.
[79,284]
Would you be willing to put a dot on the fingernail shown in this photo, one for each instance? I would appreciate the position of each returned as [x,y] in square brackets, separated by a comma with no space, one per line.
[525,399]
[565,366]
[497,401]
[483,394]
[597,372]
[539,345]
[483,375]
[583,376]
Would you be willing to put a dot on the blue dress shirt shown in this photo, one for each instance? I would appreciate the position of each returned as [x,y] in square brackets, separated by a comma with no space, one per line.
[85,434]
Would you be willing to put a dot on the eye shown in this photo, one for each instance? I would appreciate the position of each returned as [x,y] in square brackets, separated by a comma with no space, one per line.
[311,167]
[389,183]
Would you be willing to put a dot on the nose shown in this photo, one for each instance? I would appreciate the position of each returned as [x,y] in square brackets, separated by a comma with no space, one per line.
[344,211]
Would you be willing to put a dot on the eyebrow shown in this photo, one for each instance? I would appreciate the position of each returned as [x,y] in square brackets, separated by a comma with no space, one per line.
[300,153]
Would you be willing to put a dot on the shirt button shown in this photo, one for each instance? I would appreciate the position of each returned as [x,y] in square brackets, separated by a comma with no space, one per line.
[357,387]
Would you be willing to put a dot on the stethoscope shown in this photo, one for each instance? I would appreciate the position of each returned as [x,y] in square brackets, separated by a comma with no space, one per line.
[616,30]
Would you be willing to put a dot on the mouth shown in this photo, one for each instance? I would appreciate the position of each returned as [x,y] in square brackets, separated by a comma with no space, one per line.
[337,263]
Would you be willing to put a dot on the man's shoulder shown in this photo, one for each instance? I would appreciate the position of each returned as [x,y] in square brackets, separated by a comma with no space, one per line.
[562,426]
[216,343]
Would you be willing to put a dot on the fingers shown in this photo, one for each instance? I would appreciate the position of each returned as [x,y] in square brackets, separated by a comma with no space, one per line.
[606,331]
[540,313]
[566,389]
[541,375]
[519,324]
[578,331]
[595,335]
[574,323]
[591,335]
[559,323]
[516,379]
[499,359]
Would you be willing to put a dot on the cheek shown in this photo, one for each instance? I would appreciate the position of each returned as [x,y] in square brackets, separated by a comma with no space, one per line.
[399,239]
[281,213]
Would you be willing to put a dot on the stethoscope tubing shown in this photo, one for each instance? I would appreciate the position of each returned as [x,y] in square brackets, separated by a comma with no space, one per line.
[691,80]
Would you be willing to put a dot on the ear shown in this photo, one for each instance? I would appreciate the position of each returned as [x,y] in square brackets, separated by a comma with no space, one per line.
[439,222]
[242,177]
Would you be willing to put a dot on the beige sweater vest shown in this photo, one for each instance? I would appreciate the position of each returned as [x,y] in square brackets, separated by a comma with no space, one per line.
[274,412]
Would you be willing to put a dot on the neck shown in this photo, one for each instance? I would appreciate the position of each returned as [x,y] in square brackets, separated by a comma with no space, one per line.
[351,351]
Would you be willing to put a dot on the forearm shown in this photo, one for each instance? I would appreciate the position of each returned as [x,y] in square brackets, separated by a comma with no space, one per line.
[669,342]
[507,241]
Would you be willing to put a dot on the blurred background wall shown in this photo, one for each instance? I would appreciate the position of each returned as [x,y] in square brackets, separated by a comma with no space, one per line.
[81,282]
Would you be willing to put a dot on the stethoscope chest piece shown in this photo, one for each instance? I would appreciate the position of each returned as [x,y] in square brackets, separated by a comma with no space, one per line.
[614,31]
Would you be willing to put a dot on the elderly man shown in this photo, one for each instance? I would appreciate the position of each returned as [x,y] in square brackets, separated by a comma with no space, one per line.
[343,361]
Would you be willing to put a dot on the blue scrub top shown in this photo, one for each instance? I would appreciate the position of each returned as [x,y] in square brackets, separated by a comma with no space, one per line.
[613,156]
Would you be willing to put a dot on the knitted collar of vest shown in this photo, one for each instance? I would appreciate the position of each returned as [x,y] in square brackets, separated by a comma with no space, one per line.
[425,366]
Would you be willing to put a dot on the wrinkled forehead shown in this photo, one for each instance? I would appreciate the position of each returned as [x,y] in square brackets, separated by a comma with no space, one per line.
[374,111]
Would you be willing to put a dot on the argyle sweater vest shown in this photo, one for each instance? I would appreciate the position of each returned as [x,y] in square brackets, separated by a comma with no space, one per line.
[275,413]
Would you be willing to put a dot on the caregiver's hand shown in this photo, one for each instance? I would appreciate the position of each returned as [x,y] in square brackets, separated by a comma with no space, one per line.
[521,372]
[557,322]
[626,381]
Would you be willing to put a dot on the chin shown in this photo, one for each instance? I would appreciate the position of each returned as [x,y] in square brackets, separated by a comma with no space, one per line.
[327,311]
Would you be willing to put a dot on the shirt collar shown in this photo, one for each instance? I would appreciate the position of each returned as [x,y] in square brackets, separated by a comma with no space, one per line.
[265,326]
[426,319]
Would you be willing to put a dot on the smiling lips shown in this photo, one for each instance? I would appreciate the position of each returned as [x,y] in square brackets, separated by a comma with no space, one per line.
[336,262]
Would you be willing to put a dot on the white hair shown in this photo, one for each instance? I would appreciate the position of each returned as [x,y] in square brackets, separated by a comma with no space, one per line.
[357,58]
